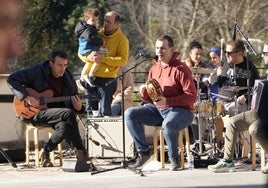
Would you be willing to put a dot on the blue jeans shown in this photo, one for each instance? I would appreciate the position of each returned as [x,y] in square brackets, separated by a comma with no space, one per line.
[172,119]
[106,88]
[116,109]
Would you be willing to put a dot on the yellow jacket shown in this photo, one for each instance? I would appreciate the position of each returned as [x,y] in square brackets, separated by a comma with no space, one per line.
[118,47]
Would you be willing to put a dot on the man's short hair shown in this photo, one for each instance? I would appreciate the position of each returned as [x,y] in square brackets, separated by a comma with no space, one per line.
[117,17]
[238,45]
[58,53]
[168,38]
[195,44]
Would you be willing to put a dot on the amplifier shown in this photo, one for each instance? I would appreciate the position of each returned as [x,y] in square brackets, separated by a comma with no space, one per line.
[259,100]
[105,138]
[75,166]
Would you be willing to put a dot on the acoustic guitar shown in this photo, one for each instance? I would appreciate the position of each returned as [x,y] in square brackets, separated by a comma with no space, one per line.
[26,111]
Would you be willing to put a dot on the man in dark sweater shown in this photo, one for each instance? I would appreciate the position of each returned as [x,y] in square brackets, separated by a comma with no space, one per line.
[51,76]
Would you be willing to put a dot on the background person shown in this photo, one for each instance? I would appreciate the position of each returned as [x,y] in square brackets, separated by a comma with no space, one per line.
[195,60]
[52,75]
[265,56]
[173,110]
[89,40]
[214,63]
[249,120]
[128,88]
[118,47]
[213,86]
[237,75]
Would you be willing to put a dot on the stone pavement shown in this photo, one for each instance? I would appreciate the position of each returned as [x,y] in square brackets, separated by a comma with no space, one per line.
[30,177]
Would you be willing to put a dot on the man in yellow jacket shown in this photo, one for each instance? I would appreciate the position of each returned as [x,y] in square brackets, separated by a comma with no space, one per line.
[118,46]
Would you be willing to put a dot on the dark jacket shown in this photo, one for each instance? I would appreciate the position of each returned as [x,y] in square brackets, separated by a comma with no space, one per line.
[36,77]
[86,31]
[240,75]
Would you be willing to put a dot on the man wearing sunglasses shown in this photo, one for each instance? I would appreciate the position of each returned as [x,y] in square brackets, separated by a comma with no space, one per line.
[241,74]
[250,120]
[265,54]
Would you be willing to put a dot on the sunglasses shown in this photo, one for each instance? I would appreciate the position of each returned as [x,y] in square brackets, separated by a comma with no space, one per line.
[265,53]
[229,53]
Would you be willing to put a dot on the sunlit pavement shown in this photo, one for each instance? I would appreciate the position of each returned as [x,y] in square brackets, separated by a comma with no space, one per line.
[30,177]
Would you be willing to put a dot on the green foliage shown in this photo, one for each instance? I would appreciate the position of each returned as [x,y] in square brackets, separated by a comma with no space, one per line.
[136,99]
[49,25]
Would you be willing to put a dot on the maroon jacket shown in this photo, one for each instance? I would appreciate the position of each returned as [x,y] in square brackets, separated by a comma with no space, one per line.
[176,82]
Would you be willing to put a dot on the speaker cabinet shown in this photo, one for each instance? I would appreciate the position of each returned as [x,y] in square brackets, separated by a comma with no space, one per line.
[105,138]
[75,166]
[259,100]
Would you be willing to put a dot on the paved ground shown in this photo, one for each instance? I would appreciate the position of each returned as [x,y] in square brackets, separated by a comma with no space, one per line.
[29,177]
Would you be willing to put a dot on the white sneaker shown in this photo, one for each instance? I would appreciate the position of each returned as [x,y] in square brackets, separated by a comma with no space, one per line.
[265,169]
[222,166]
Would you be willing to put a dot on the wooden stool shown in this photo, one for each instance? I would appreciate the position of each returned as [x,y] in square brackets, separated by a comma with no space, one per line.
[253,155]
[158,132]
[36,144]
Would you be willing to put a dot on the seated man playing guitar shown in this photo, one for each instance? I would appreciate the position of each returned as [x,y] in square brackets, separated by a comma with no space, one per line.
[32,87]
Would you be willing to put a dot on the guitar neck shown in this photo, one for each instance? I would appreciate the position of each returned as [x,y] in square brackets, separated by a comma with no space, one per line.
[44,100]
[46,96]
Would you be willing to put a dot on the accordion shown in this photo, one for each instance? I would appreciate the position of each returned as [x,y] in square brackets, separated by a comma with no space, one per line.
[259,101]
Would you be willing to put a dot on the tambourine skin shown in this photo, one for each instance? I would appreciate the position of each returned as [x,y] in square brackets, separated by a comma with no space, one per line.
[154,90]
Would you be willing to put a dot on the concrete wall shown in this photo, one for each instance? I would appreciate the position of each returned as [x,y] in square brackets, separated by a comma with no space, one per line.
[10,130]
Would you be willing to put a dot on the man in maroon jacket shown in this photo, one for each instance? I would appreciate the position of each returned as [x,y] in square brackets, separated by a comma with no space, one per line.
[174,109]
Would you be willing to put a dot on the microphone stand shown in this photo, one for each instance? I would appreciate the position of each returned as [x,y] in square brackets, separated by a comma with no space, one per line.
[248,46]
[124,163]
[246,39]
[236,111]
[8,158]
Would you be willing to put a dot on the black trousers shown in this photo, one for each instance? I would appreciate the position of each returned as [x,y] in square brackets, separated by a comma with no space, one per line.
[64,123]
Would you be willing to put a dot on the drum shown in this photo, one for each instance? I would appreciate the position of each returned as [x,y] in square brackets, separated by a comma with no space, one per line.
[205,108]
[219,108]
[219,127]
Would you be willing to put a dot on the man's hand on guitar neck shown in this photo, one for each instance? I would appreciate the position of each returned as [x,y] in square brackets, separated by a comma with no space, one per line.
[32,101]
[77,104]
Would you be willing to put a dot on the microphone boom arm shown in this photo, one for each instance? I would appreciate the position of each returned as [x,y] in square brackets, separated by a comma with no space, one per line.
[246,39]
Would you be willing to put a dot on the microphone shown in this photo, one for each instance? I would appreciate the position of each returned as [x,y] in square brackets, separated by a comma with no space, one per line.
[234,30]
[147,55]
[94,141]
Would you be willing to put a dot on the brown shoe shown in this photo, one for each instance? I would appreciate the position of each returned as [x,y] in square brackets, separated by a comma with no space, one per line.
[45,160]
[81,156]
